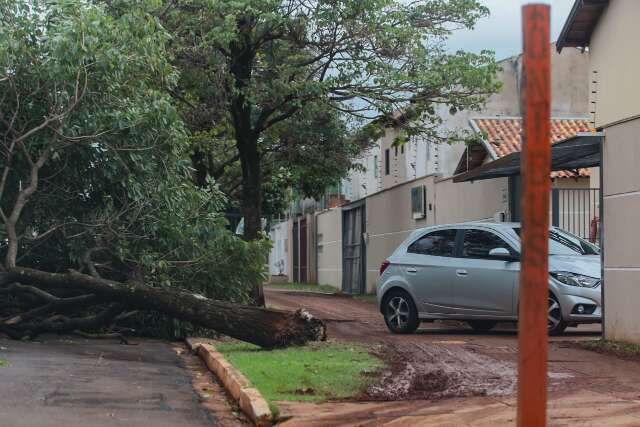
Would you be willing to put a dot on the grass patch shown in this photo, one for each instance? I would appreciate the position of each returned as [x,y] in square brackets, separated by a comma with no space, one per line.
[313,373]
[314,287]
[617,348]
[4,362]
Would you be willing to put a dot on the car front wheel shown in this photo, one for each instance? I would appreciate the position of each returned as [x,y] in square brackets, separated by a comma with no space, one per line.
[555,324]
[400,313]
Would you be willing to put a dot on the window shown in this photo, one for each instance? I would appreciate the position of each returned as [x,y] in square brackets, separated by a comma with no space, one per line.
[402,149]
[563,243]
[396,151]
[375,166]
[386,162]
[478,243]
[438,243]
[418,195]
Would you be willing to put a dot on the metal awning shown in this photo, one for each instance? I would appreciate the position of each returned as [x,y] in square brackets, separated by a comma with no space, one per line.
[582,20]
[580,151]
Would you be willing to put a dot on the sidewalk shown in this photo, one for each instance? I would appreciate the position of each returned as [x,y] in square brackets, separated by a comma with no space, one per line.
[585,408]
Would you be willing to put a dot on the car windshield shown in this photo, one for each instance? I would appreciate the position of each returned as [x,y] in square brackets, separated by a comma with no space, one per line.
[564,243]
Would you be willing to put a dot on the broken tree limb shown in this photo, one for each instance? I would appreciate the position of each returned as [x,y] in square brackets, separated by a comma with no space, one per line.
[58,304]
[61,324]
[18,288]
[263,327]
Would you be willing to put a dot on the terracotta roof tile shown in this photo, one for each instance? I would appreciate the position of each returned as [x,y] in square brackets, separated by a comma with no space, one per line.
[504,136]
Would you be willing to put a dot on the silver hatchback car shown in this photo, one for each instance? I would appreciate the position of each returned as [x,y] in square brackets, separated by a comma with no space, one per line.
[471,272]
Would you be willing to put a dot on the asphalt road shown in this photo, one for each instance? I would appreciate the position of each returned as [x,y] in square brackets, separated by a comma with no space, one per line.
[78,382]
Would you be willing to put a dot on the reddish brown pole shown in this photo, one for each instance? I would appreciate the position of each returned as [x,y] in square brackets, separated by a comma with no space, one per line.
[536,167]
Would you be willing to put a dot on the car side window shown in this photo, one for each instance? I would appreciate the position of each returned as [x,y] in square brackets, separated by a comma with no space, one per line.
[478,243]
[438,243]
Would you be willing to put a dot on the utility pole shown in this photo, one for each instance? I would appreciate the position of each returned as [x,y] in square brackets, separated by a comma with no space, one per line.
[536,168]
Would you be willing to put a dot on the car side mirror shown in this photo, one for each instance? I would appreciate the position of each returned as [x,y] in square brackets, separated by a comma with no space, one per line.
[502,253]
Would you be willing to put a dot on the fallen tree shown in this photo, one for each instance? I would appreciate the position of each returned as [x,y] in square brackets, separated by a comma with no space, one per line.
[263,327]
[100,215]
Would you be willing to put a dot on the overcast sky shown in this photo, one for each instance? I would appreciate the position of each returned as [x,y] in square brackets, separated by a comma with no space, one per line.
[501,32]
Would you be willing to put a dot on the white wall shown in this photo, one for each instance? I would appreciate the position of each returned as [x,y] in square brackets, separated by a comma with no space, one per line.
[361,183]
[278,257]
[621,181]
[329,247]
[616,66]
[615,60]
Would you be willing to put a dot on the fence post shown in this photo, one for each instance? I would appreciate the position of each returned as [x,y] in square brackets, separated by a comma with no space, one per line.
[555,207]
[536,168]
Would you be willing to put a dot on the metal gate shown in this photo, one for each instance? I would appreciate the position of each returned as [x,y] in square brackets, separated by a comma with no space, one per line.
[302,268]
[353,248]
[296,250]
[300,250]
[577,211]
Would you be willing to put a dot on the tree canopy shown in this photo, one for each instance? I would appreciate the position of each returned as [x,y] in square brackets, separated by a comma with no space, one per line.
[96,170]
[264,65]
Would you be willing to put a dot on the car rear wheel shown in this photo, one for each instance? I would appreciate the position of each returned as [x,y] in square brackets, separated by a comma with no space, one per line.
[482,325]
[555,324]
[400,313]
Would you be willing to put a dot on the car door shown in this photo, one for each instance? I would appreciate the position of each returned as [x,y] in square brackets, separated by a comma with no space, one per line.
[483,285]
[429,271]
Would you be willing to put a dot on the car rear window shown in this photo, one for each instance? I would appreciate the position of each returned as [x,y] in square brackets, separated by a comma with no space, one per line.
[436,243]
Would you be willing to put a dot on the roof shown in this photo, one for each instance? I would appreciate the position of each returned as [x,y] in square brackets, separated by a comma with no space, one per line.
[580,151]
[579,26]
[503,136]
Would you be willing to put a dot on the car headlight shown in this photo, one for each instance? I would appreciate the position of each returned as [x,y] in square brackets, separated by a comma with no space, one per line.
[574,279]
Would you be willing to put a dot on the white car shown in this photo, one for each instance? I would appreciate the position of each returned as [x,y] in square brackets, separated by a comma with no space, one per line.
[471,271]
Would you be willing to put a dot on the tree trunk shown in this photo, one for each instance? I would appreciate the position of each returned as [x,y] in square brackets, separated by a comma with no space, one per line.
[251,199]
[241,66]
[251,188]
[263,327]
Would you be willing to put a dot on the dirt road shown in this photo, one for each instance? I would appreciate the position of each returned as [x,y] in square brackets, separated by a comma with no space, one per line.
[76,382]
[458,365]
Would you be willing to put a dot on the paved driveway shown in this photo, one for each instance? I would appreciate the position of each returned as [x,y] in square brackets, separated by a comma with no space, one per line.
[76,382]
[448,375]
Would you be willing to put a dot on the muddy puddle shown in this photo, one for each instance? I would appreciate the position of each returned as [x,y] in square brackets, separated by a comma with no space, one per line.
[428,371]
[436,372]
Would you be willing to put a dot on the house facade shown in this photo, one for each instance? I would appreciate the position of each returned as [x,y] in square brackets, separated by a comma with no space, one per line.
[387,165]
[610,31]
[411,186]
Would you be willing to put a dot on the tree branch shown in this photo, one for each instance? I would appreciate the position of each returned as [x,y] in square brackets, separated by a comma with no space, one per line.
[56,305]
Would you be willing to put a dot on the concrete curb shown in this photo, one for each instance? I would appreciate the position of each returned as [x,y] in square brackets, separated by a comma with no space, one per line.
[249,398]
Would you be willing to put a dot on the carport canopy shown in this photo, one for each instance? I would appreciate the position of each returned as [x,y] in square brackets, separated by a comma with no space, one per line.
[580,151]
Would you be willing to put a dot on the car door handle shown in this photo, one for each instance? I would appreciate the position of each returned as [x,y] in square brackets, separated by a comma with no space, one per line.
[461,272]
[412,270]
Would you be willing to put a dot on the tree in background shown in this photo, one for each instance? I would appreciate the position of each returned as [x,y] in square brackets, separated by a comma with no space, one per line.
[260,75]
